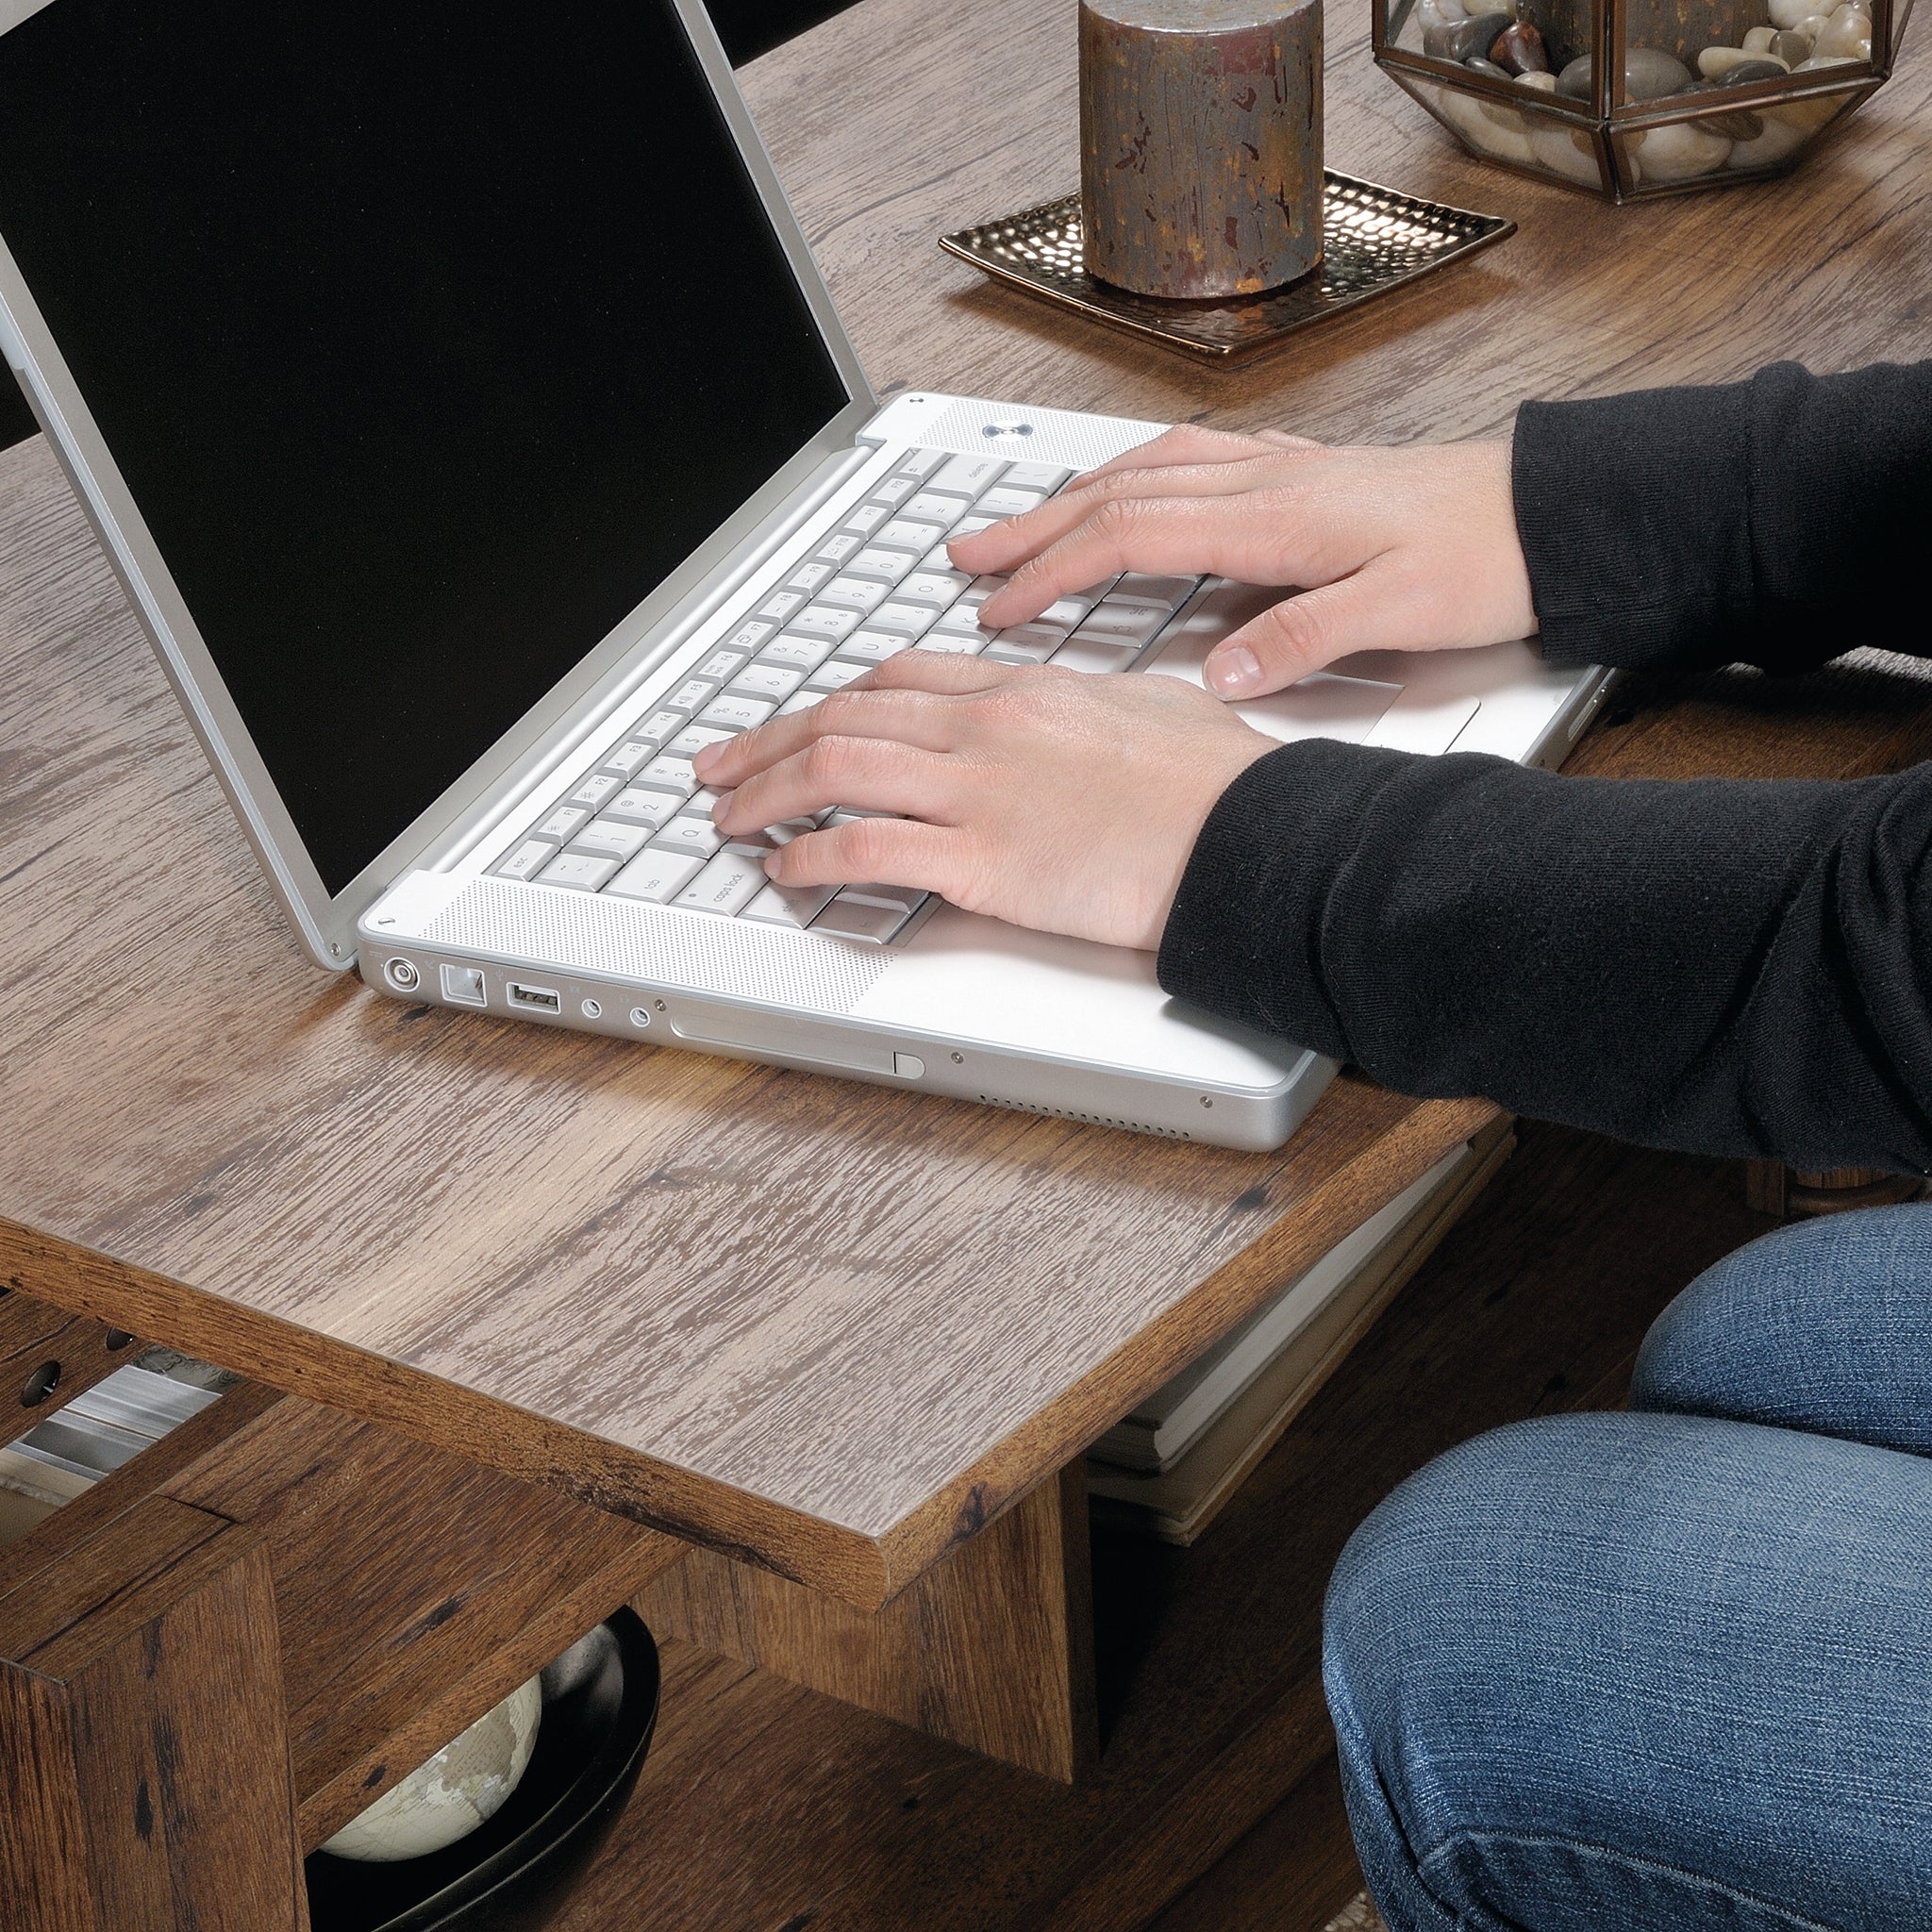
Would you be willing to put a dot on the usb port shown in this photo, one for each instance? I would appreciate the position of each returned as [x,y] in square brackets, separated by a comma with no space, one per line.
[538,996]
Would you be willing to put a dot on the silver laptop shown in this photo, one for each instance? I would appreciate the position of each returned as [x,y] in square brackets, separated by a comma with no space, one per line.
[461,404]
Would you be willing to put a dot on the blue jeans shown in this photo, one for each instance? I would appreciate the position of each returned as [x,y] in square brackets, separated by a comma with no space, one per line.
[1669,1669]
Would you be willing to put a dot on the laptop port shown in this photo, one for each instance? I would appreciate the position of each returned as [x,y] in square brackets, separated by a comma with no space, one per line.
[540,998]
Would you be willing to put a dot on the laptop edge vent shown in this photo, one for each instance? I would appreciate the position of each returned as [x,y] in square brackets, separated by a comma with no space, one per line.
[1091,1120]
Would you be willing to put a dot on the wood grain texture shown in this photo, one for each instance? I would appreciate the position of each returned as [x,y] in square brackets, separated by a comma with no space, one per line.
[144,1778]
[830,1329]
[787,1808]
[992,1648]
[35,1335]
[413,1590]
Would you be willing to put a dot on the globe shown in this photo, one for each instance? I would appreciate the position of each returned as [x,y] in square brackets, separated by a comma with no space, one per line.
[458,1791]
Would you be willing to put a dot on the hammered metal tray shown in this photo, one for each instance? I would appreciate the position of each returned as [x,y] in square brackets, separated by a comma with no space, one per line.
[1374,239]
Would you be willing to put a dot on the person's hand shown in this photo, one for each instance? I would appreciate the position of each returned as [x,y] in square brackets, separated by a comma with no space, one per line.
[1052,799]
[1395,549]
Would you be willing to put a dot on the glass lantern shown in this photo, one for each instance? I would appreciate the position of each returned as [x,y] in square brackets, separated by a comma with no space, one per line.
[1696,92]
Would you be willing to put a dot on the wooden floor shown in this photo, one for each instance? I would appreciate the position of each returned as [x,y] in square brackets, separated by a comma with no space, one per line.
[769,1808]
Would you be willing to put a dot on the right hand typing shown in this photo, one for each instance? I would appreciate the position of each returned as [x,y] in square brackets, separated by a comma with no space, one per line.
[1393,549]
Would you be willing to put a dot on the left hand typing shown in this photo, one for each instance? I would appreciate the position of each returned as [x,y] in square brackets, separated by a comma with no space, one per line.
[1056,799]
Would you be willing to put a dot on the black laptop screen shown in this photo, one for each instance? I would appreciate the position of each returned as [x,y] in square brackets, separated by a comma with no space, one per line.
[429,338]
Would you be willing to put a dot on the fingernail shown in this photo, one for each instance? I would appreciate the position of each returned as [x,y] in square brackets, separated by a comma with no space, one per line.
[1232,670]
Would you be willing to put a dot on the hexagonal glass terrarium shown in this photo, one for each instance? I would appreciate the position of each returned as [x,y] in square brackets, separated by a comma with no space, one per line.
[1696,94]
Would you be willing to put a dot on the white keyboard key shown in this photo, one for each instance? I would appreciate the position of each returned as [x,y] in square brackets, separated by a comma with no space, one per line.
[969,475]
[894,898]
[931,507]
[692,739]
[904,534]
[594,791]
[835,676]
[920,464]
[802,701]
[526,860]
[959,644]
[808,576]
[728,885]
[669,773]
[660,725]
[860,592]
[1044,477]
[869,647]
[782,606]
[582,871]
[687,834]
[736,713]
[963,618]
[1038,641]
[775,682]
[981,589]
[563,822]
[794,906]
[703,801]
[1132,624]
[824,620]
[867,518]
[934,586]
[648,808]
[836,549]
[655,875]
[910,617]
[749,636]
[895,490]
[875,561]
[1092,654]
[1009,502]
[789,652]
[1169,594]
[610,839]
[629,756]
[1071,609]
[853,919]
[693,695]
[720,664]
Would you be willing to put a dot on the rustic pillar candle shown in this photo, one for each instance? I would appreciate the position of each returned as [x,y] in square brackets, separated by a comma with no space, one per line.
[1200,143]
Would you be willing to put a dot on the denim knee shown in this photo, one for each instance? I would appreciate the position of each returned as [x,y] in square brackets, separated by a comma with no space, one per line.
[1826,1325]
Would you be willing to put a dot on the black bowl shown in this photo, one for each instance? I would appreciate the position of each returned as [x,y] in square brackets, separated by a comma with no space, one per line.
[600,1704]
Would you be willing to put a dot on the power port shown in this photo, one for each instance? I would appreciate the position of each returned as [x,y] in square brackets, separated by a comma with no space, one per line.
[403,975]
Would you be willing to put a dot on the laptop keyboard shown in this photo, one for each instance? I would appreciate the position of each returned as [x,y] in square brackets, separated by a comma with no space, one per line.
[640,827]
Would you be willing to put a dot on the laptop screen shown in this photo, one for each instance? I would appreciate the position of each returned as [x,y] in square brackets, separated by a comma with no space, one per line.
[429,339]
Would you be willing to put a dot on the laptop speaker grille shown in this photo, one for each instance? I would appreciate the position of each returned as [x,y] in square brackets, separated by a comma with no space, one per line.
[1091,1120]
[691,951]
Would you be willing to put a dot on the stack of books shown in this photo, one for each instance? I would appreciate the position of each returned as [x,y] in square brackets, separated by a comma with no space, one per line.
[1168,1469]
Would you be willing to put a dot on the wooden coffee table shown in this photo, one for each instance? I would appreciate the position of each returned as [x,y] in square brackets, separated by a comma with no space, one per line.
[536,1323]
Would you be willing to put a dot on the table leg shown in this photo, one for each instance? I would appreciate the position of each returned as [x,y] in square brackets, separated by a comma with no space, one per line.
[144,1771]
[992,1648]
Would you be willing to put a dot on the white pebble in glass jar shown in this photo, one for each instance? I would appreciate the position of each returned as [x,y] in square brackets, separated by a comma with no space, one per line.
[1789,12]
[1683,151]
[462,1788]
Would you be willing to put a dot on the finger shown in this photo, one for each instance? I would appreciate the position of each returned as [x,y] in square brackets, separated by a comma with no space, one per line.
[893,852]
[860,774]
[1186,442]
[1373,610]
[1282,438]
[1240,537]
[1002,546]
[853,713]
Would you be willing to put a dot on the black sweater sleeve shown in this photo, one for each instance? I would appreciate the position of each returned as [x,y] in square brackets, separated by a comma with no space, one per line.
[1719,966]
[1762,523]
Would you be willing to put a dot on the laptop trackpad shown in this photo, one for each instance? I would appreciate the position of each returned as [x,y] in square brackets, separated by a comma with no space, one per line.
[1324,705]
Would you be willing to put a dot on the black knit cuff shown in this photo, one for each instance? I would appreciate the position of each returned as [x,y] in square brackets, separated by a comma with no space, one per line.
[1245,938]
[1634,512]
